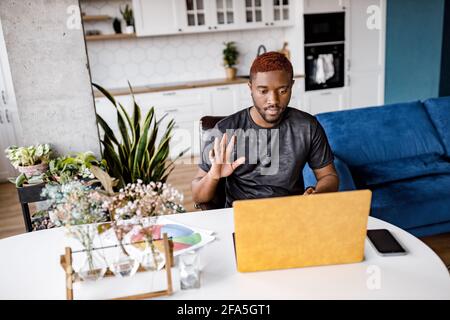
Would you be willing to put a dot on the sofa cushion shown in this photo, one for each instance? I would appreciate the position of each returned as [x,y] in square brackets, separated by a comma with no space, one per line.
[414,202]
[380,134]
[439,112]
[395,170]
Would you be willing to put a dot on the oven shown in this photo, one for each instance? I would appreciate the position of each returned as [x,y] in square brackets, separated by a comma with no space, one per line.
[324,50]
[324,66]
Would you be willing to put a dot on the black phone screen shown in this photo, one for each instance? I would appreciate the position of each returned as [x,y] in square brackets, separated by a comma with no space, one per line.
[384,241]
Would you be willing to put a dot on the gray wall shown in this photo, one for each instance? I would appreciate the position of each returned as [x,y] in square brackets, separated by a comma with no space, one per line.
[50,74]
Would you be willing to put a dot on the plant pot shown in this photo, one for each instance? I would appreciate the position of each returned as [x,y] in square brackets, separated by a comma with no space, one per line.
[129,29]
[231,73]
[35,170]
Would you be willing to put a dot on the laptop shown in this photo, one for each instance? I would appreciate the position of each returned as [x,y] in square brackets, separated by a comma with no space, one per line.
[301,231]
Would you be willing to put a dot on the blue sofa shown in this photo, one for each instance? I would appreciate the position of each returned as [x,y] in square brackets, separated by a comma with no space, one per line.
[402,153]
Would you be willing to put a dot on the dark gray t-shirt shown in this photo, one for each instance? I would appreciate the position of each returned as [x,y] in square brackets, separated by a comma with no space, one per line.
[274,157]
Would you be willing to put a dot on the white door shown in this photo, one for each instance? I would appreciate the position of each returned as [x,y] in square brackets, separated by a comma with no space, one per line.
[155,17]
[6,169]
[325,100]
[10,129]
[365,68]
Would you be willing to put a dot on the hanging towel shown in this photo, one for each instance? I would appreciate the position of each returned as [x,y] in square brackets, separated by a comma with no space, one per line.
[324,68]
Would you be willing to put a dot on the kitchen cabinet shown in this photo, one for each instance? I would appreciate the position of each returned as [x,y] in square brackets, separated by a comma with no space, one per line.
[365,68]
[155,17]
[186,107]
[323,6]
[224,100]
[245,98]
[193,15]
[320,101]
[225,14]
[255,13]
[280,12]
[267,13]
[298,95]
[208,15]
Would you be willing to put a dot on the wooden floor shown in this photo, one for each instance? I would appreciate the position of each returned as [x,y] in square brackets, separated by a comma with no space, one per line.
[11,221]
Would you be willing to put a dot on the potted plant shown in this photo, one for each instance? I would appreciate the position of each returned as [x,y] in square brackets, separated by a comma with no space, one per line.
[30,161]
[135,154]
[127,15]
[230,55]
[65,168]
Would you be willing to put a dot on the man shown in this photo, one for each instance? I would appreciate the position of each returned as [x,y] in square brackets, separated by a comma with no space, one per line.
[291,136]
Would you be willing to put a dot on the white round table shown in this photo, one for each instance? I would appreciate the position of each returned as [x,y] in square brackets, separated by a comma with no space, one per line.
[30,269]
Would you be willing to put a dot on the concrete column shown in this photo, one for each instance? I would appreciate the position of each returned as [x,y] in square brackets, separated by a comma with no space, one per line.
[50,71]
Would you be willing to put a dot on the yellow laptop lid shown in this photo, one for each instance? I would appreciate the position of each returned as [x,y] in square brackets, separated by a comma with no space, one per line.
[301,231]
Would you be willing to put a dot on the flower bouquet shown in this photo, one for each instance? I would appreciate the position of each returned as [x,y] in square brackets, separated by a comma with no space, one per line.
[79,205]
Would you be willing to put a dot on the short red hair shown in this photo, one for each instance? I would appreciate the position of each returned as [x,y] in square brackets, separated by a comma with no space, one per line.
[271,61]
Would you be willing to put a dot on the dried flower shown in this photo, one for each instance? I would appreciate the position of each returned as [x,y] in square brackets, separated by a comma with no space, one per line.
[139,200]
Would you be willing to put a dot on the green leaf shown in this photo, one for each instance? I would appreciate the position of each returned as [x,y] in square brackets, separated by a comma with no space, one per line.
[131,126]
[20,180]
[108,132]
[123,131]
[106,94]
[141,147]
[113,162]
[104,178]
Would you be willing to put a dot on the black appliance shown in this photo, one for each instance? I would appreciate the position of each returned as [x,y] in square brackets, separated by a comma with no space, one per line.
[324,50]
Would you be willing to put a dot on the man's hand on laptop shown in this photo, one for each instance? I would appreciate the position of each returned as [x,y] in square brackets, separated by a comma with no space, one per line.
[220,155]
[309,190]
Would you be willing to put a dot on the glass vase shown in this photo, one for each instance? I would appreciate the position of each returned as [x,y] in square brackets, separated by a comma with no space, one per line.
[124,265]
[93,268]
[151,259]
[189,270]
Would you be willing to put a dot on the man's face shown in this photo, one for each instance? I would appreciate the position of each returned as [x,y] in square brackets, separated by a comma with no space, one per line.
[271,92]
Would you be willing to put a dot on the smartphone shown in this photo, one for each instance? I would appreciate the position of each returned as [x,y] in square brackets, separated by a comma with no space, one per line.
[384,243]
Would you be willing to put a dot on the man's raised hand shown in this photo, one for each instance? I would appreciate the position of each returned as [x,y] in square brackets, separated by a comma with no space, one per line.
[220,157]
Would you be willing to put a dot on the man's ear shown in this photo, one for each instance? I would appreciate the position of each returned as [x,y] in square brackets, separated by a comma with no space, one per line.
[292,83]
[249,83]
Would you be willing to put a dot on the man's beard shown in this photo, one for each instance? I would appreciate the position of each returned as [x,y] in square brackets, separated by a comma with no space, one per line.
[266,117]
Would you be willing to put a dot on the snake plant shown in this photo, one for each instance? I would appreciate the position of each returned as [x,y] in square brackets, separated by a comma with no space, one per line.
[137,155]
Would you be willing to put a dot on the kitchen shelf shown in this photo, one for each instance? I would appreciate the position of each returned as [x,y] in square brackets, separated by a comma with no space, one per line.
[111,36]
[87,18]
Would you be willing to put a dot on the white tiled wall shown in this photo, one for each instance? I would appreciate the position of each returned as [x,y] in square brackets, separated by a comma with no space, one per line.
[154,60]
